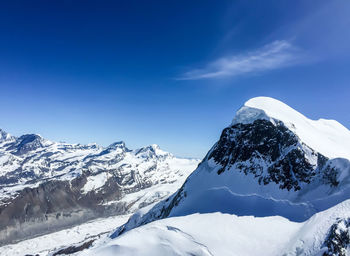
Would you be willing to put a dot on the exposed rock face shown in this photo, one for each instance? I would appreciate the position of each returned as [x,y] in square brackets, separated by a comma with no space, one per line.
[46,186]
[272,153]
[57,204]
[338,240]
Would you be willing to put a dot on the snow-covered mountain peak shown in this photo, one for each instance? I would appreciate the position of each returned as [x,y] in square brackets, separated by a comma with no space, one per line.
[327,137]
[152,151]
[266,108]
[4,136]
[27,143]
[156,148]
[28,138]
[116,145]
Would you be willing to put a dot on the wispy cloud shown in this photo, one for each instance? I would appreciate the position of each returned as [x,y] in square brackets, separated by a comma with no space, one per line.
[275,55]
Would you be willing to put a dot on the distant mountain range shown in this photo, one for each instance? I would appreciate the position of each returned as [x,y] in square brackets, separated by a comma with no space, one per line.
[46,186]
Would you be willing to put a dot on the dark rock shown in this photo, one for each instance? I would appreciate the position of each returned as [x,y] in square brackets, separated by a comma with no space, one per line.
[338,239]
[252,147]
[74,249]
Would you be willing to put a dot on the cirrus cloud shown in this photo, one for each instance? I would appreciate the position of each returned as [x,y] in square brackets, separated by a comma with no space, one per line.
[275,55]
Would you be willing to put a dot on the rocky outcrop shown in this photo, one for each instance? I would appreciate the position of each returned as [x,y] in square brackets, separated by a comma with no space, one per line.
[337,242]
[272,153]
[57,204]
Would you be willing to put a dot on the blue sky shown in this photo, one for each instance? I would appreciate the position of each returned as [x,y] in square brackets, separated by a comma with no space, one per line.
[171,73]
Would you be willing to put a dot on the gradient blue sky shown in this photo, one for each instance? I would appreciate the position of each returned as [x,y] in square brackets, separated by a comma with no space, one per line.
[167,72]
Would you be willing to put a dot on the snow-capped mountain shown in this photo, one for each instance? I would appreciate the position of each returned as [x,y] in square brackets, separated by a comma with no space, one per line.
[45,185]
[270,161]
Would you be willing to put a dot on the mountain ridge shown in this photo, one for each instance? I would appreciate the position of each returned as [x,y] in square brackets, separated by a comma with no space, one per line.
[47,185]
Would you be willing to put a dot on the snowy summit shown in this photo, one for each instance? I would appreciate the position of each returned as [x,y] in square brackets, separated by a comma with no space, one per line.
[328,137]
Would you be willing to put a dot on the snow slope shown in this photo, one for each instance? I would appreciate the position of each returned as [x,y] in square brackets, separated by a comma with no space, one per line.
[202,234]
[50,243]
[225,234]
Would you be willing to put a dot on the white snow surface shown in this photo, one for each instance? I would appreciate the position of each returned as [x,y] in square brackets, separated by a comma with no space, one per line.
[48,244]
[225,234]
[94,182]
[327,137]
[201,235]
